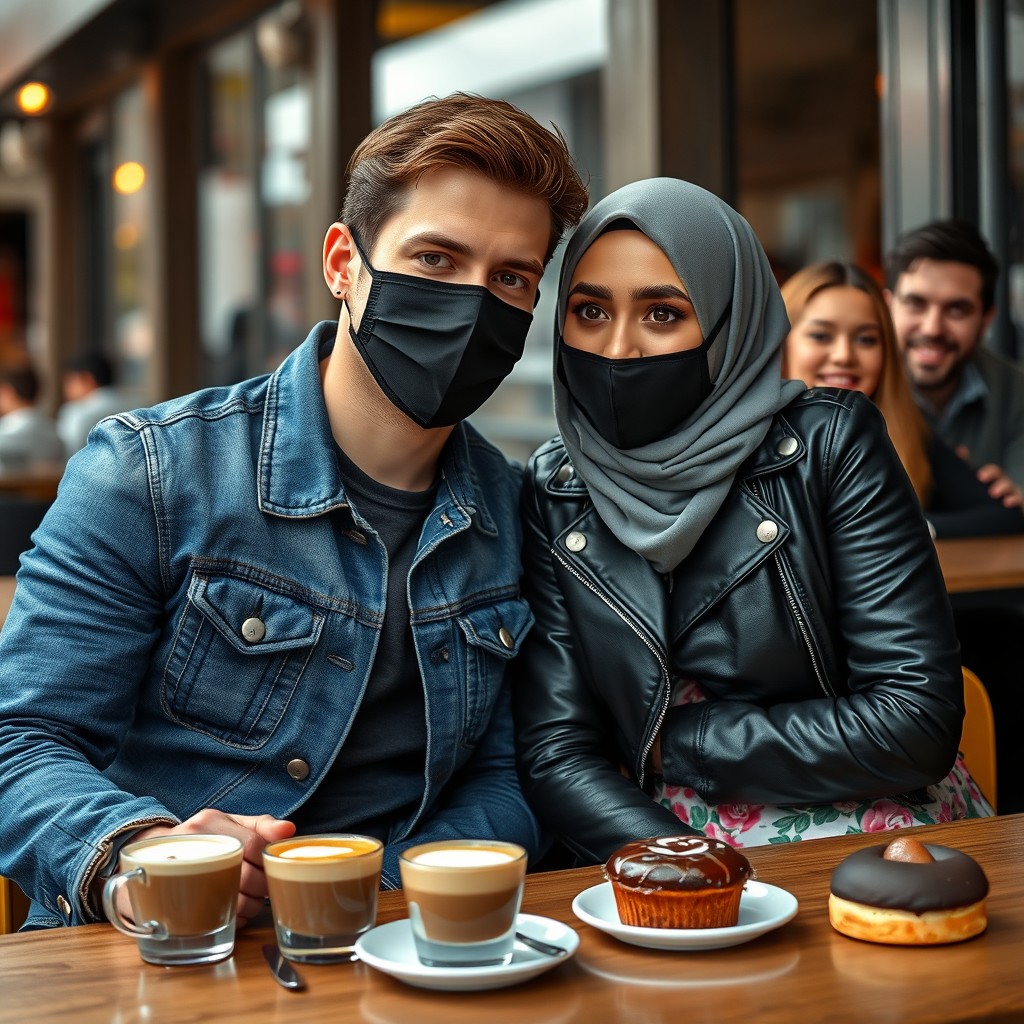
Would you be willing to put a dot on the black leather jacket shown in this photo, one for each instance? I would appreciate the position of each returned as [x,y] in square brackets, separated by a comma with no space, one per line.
[812,612]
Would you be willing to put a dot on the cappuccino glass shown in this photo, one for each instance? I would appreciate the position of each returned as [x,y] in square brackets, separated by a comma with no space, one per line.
[183,891]
[323,894]
[463,897]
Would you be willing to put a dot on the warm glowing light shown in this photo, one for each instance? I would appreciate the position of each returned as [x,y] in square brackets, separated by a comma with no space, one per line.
[129,177]
[33,98]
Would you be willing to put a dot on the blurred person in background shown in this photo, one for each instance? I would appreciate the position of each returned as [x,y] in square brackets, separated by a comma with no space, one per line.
[842,336]
[89,395]
[942,280]
[28,436]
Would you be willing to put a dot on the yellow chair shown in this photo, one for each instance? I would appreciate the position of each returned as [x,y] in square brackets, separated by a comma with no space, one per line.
[13,906]
[978,742]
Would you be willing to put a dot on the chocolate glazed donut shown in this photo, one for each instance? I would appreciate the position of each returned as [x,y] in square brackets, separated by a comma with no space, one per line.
[934,898]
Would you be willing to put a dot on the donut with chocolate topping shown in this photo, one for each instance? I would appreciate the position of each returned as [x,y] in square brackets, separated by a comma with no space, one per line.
[678,882]
[908,893]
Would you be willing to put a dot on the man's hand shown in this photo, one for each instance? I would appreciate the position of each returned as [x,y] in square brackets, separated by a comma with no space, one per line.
[254,832]
[1000,486]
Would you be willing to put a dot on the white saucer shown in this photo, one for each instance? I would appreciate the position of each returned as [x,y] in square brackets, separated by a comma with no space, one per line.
[762,908]
[389,948]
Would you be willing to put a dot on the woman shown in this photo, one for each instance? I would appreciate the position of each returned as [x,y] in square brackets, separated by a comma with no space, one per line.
[842,336]
[737,600]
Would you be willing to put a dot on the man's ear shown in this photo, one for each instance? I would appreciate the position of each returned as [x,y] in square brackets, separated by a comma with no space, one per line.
[339,253]
[888,297]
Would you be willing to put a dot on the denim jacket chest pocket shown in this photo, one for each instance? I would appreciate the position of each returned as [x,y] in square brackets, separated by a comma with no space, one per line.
[238,654]
[493,635]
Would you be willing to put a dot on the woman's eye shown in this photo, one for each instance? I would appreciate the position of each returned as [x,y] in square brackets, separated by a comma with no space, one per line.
[868,340]
[589,311]
[664,315]
[820,337]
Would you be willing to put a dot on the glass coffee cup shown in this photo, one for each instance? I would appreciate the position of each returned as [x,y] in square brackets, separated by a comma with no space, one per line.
[183,891]
[323,893]
[463,898]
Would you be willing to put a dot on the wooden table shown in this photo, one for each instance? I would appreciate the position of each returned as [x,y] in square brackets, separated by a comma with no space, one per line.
[802,972]
[977,564]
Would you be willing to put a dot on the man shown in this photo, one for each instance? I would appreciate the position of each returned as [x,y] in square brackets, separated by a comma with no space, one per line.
[28,437]
[89,395]
[942,278]
[288,604]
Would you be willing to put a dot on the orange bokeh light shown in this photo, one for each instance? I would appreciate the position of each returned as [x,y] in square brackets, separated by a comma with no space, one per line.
[129,177]
[33,98]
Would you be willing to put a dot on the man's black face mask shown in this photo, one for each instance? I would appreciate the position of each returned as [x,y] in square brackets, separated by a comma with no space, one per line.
[437,350]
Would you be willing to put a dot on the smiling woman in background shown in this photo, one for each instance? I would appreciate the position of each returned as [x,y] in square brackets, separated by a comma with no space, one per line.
[842,337]
[741,625]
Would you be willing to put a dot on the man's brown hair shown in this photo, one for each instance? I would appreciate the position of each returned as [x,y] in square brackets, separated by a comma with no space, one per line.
[489,136]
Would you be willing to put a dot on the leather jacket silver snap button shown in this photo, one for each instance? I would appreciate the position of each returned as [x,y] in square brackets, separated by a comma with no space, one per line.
[253,630]
[767,531]
[506,639]
[565,473]
[575,541]
[297,769]
[787,446]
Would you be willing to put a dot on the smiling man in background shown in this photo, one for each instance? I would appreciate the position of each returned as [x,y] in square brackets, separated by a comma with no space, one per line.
[942,280]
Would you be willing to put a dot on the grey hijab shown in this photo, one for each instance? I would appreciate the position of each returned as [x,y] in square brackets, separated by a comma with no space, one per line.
[659,499]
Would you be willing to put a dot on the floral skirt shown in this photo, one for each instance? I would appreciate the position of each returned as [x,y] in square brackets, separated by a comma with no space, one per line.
[954,797]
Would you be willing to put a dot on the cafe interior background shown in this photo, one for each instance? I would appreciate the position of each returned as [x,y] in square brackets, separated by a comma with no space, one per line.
[164,199]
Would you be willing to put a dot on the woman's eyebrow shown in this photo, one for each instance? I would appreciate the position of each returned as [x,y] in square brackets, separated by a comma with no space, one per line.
[595,291]
[659,291]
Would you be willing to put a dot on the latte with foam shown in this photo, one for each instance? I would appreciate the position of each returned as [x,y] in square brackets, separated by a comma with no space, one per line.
[323,893]
[463,898]
[183,891]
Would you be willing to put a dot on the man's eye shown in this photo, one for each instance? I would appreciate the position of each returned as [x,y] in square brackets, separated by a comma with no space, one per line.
[434,260]
[509,280]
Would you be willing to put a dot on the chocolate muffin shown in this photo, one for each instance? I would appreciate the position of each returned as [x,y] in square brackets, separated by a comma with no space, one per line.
[678,882]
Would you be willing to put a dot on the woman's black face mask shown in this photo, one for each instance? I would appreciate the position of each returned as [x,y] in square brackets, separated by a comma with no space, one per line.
[634,402]
[437,350]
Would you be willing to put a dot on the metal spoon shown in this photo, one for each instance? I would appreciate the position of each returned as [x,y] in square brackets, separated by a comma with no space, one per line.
[541,947]
[284,973]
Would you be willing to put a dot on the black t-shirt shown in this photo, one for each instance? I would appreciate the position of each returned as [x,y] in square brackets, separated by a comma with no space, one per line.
[378,776]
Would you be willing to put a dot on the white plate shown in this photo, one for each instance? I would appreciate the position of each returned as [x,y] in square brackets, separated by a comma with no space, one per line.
[762,908]
[389,948]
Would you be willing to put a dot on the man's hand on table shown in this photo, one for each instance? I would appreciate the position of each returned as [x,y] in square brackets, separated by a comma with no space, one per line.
[255,831]
[1000,486]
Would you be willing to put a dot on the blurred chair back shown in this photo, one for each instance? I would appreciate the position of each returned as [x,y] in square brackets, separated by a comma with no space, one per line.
[18,519]
[978,742]
[13,906]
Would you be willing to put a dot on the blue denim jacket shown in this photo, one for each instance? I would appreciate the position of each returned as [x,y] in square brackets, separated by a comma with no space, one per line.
[129,693]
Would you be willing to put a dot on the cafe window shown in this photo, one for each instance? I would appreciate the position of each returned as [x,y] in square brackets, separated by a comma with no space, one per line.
[253,188]
[556,78]
[807,131]
[1015,117]
[120,297]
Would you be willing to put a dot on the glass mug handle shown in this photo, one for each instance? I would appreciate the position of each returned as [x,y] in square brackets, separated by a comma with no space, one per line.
[152,929]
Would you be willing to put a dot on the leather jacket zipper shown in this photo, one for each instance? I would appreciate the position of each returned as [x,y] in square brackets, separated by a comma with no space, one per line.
[648,642]
[795,609]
